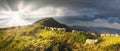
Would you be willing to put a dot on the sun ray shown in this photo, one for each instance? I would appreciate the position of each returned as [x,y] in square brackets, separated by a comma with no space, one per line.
[20,4]
[18,16]
[15,18]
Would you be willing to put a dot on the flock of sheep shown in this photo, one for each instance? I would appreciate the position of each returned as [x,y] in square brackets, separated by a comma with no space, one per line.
[54,29]
[88,41]
[91,41]
[103,35]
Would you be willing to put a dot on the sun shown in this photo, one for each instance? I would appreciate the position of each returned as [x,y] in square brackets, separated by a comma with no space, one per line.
[17,19]
[26,14]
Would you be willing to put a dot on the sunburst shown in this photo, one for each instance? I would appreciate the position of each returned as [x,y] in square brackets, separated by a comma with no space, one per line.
[17,17]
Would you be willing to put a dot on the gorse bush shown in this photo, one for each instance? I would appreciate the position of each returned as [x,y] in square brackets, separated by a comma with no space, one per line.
[80,37]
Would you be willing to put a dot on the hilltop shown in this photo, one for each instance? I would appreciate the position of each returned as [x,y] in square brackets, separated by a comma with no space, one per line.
[50,22]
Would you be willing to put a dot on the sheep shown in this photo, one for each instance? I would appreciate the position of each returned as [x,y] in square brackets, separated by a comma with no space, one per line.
[116,35]
[73,31]
[54,29]
[112,34]
[108,35]
[61,29]
[51,28]
[47,28]
[102,35]
[93,34]
[91,41]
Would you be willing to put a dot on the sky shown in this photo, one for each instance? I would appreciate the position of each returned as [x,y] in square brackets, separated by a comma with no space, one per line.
[91,13]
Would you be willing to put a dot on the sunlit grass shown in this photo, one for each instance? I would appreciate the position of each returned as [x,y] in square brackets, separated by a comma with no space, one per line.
[49,39]
[107,41]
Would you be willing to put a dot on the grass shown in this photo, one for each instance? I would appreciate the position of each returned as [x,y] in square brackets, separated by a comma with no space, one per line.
[48,40]
[111,40]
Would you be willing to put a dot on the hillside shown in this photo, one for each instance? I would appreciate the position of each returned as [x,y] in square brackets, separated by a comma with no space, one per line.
[36,38]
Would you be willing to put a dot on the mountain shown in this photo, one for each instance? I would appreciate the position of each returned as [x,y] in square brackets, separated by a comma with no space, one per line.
[96,29]
[50,22]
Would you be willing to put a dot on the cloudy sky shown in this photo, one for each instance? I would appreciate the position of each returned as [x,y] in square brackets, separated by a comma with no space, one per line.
[95,13]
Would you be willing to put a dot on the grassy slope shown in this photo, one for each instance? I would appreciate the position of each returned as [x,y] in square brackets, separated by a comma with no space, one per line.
[47,39]
[107,41]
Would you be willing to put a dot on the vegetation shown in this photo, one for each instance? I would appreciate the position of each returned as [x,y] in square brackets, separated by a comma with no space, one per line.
[35,38]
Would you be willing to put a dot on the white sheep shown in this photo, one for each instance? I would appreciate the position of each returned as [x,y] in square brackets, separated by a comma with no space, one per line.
[102,35]
[108,34]
[116,35]
[55,28]
[61,29]
[91,41]
[73,31]
[51,28]
[112,34]
[47,28]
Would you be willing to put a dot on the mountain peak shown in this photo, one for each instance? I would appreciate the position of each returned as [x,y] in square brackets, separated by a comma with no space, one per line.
[50,22]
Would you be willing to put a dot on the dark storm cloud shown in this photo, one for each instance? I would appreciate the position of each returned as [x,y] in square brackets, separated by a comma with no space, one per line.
[74,19]
[102,6]
[100,9]
[105,5]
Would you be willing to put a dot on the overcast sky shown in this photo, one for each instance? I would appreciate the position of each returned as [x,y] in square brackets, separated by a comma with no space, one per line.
[95,13]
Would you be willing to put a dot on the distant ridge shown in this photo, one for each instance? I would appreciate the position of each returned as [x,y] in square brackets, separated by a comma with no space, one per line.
[96,29]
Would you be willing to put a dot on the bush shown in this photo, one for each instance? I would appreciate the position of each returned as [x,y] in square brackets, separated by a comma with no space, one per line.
[80,37]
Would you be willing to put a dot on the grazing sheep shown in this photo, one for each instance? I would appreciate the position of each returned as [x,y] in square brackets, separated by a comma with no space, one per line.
[108,35]
[93,34]
[73,31]
[91,41]
[102,35]
[116,35]
[51,28]
[63,29]
[112,34]
[54,29]
[47,28]
[59,29]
